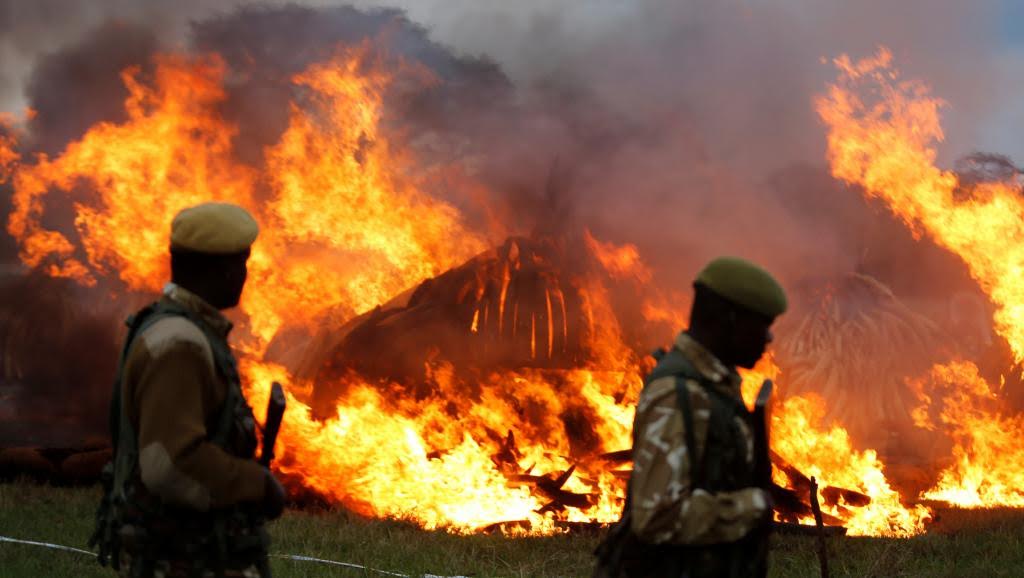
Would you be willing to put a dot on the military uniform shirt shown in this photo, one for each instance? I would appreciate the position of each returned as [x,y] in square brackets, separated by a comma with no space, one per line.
[173,395]
[666,509]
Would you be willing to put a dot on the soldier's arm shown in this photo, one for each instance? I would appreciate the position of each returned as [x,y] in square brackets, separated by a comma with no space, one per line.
[174,395]
[665,506]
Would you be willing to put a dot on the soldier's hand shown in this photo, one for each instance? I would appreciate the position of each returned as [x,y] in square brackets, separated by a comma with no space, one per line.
[274,497]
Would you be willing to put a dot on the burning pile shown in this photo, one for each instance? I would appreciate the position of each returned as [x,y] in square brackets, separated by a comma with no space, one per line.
[885,142]
[441,372]
[853,349]
[356,229]
[494,406]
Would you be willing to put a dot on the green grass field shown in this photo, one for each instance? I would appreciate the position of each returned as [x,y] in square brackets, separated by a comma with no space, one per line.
[964,544]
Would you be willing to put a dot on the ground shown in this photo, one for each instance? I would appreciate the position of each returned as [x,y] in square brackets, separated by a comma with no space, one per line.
[964,544]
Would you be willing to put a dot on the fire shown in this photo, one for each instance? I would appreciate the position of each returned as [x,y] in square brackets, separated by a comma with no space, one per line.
[624,262]
[347,212]
[882,136]
[385,456]
[987,454]
[888,147]
[8,146]
[127,180]
[801,439]
[377,462]
[619,260]
[353,227]
[349,225]
[365,233]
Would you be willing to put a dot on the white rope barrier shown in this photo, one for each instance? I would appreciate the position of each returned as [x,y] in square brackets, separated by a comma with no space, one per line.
[295,557]
[335,563]
[46,545]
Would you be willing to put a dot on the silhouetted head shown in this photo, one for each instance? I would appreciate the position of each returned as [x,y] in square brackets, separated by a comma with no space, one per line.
[218,279]
[210,245]
[734,305]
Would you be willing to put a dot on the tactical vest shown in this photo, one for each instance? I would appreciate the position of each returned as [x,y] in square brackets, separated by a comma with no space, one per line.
[133,520]
[721,467]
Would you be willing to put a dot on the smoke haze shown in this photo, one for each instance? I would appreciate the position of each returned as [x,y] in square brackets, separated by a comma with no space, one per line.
[670,117]
[685,128]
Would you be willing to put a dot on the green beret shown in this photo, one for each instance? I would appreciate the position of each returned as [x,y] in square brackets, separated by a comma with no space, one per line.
[744,283]
[214,228]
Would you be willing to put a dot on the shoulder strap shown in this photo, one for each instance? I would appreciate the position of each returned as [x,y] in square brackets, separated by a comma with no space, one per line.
[683,399]
[227,367]
[673,363]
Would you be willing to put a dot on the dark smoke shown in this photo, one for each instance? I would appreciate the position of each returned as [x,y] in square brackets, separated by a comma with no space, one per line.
[73,88]
[685,128]
[59,359]
[266,47]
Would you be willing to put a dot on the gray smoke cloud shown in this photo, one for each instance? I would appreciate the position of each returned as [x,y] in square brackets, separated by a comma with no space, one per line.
[686,128]
[669,123]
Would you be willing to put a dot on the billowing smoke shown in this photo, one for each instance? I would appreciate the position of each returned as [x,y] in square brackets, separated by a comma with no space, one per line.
[670,118]
[685,128]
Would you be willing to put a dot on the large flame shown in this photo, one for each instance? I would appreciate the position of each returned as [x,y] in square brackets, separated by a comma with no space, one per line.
[882,136]
[801,438]
[986,468]
[347,225]
[346,215]
[886,142]
[127,180]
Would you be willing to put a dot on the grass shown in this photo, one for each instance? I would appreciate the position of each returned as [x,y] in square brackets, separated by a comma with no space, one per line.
[964,544]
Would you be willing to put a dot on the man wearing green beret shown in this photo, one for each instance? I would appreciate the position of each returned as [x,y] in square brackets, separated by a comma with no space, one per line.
[694,508]
[185,496]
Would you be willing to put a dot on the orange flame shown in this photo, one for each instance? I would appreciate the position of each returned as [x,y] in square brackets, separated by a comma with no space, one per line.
[9,155]
[353,228]
[987,453]
[621,261]
[173,152]
[888,147]
[800,437]
[885,142]
[346,227]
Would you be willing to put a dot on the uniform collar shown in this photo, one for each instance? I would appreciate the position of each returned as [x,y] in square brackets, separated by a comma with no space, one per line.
[705,362]
[196,304]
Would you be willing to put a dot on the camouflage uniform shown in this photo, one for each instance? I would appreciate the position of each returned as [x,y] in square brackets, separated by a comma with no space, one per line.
[695,507]
[678,522]
[666,508]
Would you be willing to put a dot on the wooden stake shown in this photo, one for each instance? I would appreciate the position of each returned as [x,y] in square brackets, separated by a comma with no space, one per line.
[822,546]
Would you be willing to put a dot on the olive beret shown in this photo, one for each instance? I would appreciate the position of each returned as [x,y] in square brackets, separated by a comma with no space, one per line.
[214,228]
[745,284]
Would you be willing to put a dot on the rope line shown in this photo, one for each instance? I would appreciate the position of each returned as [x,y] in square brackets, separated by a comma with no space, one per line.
[45,545]
[296,557]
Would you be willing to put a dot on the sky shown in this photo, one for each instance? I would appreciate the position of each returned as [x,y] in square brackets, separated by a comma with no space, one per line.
[1004,131]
